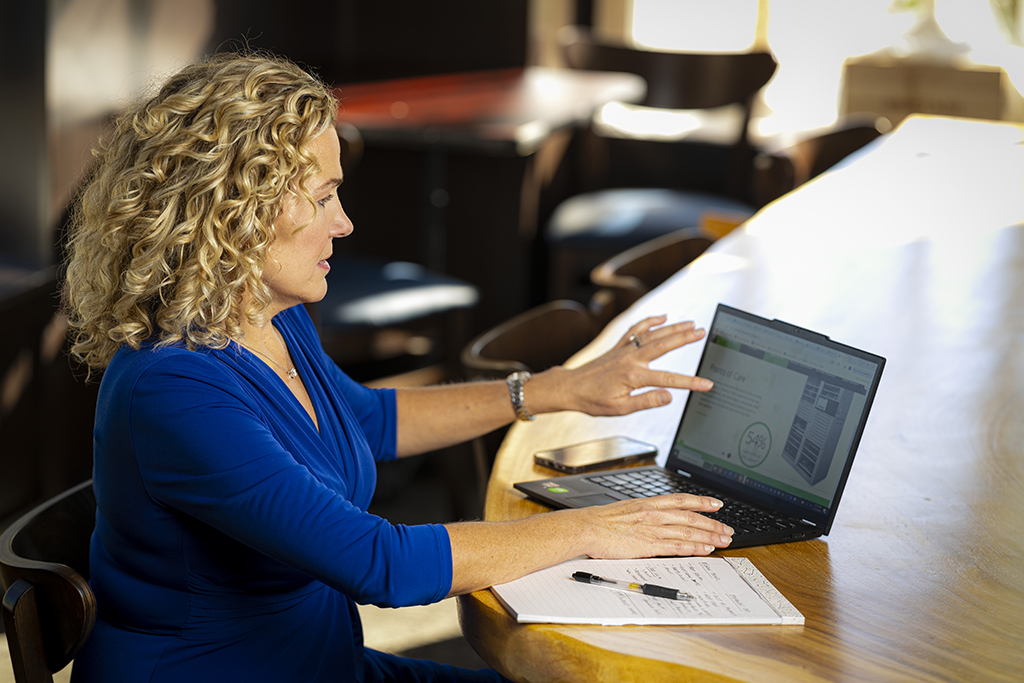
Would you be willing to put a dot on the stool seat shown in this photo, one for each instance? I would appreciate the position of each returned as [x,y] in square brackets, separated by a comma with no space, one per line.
[393,323]
[363,292]
[590,228]
[628,216]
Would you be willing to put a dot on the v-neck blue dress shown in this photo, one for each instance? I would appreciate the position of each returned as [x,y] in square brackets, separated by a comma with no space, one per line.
[232,537]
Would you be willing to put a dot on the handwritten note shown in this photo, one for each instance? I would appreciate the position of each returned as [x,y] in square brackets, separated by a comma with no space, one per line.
[725,590]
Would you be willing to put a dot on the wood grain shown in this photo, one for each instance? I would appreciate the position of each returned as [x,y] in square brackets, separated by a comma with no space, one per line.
[914,251]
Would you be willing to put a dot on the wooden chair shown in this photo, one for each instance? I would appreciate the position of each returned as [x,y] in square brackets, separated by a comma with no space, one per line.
[49,608]
[535,340]
[593,226]
[624,278]
[538,339]
[790,165]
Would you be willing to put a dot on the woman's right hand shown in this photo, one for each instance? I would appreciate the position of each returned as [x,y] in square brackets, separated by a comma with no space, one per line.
[669,525]
[489,553]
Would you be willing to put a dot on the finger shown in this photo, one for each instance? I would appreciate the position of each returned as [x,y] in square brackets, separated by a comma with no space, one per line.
[667,330]
[685,501]
[659,342]
[684,547]
[656,398]
[653,333]
[692,528]
[644,401]
[683,510]
[656,382]
[691,534]
[673,380]
[668,547]
[641,328]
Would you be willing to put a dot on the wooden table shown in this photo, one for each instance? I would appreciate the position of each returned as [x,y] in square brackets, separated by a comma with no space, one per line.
[914,251]
[502,111]
[482,147]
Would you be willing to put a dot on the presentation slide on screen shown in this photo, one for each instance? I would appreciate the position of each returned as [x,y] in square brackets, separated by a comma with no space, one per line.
[788,425]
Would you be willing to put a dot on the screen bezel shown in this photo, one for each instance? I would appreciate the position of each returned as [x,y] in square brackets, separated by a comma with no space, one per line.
[821,520]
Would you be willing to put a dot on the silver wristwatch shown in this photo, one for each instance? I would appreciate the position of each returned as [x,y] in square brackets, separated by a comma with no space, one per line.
[515,390]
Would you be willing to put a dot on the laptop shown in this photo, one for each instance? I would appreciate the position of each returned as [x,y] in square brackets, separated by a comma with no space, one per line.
[774,439]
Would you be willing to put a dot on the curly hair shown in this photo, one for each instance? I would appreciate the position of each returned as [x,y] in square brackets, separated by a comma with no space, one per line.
[170,235]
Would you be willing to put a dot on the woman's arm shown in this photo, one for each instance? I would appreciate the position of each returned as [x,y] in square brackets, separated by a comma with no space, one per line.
[435,417]
[489,553]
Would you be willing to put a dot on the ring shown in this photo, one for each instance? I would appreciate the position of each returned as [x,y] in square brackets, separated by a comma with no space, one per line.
[634,339]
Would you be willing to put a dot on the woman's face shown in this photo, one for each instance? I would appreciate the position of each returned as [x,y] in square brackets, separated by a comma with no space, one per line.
[296,264]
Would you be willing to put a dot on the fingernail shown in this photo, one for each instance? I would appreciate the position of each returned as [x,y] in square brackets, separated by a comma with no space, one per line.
[709,548]
[726,540]
[706,383]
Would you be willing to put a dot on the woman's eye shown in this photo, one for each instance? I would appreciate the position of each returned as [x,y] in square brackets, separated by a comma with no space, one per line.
[325,201]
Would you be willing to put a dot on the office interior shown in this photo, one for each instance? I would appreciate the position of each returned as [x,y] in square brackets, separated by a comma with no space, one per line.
[69,66]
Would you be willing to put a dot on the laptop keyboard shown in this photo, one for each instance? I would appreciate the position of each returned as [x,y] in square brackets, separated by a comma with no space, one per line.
[743,518]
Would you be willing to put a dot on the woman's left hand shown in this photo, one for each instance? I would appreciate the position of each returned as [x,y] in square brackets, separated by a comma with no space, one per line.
[605,385]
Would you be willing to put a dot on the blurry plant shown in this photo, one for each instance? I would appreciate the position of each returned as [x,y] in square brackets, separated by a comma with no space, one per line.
[909,5]
[912,6]
[1008,15]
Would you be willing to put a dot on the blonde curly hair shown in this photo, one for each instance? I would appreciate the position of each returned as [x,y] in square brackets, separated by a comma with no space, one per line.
[171,233]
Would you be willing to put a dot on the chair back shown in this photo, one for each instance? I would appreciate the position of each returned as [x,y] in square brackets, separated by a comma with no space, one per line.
[692,81]
[636,271]
[49,608]
[783,170]
[675,80]
[26,308]
[536,340]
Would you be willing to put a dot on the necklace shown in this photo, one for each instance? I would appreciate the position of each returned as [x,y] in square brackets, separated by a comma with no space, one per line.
[290,373]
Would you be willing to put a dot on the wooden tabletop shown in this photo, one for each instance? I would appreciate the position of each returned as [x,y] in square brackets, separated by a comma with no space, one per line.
[914,251]
[504,111]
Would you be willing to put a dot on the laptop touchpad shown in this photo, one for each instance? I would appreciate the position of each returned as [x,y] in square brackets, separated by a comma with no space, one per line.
[592,499]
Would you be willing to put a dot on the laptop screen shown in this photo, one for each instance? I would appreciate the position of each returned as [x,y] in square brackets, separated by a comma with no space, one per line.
[785,416]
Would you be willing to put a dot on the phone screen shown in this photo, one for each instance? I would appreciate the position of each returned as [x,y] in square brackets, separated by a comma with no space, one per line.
[592,455]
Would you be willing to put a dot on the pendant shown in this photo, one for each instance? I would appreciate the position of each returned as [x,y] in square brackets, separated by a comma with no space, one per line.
[293,373]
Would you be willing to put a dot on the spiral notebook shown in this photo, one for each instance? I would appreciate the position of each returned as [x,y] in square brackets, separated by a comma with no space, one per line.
[725,590]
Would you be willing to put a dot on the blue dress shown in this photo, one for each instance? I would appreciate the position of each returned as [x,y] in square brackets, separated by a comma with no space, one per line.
[232,537]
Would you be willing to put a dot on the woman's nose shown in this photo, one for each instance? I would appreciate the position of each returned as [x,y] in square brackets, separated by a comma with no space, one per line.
[341,225]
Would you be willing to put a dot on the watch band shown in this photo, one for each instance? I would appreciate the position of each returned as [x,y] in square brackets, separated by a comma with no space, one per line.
[515,391]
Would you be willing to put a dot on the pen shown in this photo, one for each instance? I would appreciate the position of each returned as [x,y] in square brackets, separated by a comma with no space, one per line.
[645,588]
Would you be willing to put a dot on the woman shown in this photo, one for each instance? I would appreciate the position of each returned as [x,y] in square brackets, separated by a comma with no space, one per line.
[234,462]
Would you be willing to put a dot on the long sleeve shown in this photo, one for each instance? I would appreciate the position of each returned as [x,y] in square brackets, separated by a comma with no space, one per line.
[208,450]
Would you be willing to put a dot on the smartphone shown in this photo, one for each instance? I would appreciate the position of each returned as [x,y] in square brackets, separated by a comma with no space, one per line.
[593,455]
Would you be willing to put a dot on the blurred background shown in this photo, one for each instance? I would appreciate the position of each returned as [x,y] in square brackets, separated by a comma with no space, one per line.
[67,67]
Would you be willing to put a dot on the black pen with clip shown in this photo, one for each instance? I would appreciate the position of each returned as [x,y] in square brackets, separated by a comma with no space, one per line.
[645,588]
